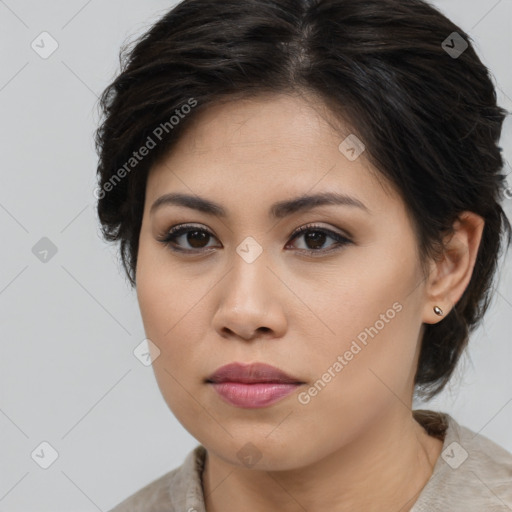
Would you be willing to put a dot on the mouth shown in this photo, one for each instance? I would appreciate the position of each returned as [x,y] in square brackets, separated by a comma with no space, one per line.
[252,386]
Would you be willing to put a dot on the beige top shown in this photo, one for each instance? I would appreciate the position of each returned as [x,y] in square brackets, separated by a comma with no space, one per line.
[473,474]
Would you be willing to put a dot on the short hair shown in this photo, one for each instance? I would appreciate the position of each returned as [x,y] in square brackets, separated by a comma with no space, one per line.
[403,77]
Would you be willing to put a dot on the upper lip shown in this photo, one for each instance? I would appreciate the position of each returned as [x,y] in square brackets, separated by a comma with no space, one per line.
[251,373]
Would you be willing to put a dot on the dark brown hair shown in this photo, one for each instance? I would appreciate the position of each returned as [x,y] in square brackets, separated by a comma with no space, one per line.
[428,118]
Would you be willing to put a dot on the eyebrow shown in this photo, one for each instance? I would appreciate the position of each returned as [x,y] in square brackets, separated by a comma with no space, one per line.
[278,210]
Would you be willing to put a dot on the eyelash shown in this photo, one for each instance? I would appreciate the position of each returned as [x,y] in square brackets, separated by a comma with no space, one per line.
[172,234]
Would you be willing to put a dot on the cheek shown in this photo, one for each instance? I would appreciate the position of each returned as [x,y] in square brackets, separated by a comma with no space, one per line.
[160,289]
[360,374]
[169,323]
[169,317]
[172,305]
[376,349]
[161,301]
[370,320]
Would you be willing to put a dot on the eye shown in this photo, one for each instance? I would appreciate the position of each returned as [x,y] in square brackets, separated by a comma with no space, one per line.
[197,238]
[315,237]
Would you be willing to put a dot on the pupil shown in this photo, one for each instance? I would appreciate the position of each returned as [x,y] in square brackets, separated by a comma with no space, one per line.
[320,237]
[199,234]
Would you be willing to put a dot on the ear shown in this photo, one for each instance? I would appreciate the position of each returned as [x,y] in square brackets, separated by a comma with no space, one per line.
[450,275]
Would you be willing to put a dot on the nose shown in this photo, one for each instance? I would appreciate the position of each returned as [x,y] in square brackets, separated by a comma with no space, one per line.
[250,302]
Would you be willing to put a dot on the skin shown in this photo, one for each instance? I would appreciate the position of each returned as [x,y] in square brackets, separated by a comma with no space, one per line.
[355,445]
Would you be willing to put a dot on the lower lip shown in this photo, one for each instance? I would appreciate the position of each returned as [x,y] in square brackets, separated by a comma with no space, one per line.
[254,395]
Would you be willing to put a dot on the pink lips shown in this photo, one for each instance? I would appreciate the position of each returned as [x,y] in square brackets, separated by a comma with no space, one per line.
[251,386]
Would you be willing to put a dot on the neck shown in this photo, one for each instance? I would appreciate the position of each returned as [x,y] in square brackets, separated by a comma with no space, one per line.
[383,470]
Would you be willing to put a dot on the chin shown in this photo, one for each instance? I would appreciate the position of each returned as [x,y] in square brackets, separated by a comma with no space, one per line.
[259,451]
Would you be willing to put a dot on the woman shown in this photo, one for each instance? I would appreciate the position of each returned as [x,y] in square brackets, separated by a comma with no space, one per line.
[306,195]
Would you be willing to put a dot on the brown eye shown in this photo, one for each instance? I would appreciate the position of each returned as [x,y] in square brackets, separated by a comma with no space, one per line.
[315,238]
[189,238]
[197,238]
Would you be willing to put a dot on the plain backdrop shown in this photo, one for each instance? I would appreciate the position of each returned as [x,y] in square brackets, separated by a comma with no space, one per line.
[70,323]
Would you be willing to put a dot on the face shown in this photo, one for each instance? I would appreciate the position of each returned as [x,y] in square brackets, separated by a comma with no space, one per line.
[338,307]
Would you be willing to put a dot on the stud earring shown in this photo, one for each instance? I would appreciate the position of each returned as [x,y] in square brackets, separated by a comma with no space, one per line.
[438,311]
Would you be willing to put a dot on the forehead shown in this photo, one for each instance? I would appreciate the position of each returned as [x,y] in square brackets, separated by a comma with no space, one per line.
[275,146]
[279,120]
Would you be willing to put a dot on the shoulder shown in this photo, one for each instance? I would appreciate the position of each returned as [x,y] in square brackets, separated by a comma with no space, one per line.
[179,489]
[472,474]
[483,462]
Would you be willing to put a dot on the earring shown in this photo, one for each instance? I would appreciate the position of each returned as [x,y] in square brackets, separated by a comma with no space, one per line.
[438,311]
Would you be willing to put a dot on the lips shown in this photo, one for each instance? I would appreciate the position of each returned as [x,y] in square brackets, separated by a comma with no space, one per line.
[251,374]
[252,386]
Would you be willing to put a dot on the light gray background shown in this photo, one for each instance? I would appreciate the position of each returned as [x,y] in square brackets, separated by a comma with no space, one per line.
[69,326]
